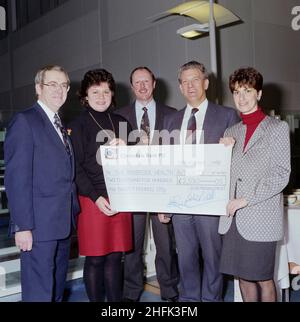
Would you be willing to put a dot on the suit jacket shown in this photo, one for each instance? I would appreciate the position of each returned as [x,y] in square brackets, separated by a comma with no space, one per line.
[39,177]
[128,112]
[217,119]
[259,174]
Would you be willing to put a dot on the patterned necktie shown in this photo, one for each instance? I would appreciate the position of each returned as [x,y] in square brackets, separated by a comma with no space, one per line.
[58,124]
[191,128]
[145,124]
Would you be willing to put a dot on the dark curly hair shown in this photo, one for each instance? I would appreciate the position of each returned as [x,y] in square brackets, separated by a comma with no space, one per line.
[96,77]
[246,76]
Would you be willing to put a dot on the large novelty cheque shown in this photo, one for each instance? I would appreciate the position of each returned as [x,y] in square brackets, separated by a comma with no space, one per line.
[187,179]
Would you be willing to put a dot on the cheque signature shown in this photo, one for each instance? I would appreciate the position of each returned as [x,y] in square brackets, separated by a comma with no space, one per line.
[192,200]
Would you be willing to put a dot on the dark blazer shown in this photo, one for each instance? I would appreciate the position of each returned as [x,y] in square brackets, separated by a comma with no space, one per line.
[39,177]
[202,230]
[165,258]
[217,119]
[128,112]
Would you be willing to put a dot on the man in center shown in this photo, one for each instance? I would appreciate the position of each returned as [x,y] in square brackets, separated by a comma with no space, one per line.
[147,115]
[197,239]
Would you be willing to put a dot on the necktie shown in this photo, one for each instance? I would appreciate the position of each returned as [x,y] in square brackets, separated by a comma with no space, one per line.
[58,124]
[191,128]
[145,124]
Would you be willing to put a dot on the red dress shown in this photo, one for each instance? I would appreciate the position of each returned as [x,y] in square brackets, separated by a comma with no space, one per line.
[99,234]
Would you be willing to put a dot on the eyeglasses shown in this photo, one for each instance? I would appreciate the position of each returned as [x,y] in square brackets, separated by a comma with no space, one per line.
[55,86]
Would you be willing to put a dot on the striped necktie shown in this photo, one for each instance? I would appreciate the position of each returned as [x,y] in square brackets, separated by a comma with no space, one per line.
[145,124]
[58,124]
[191,128]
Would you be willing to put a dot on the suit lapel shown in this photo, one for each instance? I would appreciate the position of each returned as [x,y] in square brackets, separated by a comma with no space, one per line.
[132,117]
[159,118]
[258,134]
[209,120]
[49,129]
[177,119]
[240,138]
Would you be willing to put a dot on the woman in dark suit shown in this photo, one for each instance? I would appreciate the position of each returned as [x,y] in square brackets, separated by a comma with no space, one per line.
[103,234]
[260,170]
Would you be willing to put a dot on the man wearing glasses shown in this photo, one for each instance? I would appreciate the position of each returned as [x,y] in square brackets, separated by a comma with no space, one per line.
[39,180]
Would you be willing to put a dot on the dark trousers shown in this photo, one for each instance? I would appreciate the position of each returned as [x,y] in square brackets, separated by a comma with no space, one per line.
[44,271]
[196,235]
[165,259]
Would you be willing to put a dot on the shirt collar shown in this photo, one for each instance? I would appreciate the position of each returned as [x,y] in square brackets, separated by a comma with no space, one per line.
[150,105]
[47,110]
[202,106]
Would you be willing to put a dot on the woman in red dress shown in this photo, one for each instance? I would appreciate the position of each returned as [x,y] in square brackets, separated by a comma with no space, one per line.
[103,234]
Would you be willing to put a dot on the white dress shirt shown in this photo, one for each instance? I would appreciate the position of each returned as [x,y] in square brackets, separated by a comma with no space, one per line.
[50,115]
[200,115]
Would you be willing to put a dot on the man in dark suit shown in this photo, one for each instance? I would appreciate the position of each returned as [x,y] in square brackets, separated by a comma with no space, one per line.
[41,193]
[147,115]
[199,122]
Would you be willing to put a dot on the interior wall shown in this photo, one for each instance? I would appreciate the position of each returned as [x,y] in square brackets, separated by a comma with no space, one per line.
[122,34]
[69,35]
[264,39]
[277,48]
